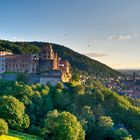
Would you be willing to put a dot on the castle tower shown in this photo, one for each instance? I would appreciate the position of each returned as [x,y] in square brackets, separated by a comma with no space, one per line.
[47,59]
[47,52]
[56,62]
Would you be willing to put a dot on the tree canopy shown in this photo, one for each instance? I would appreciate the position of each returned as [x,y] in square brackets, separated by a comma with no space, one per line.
[97,112]
[62,126]
[13,111]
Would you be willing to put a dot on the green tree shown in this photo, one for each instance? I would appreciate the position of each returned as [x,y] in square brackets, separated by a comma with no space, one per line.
[22,77]
[62,100]
[76,77]
[13,111]
[79,89]
[88,117]
[38,109]
[23,92]
[63,126]
[104,128]
[59,86]
[122,134]
[105,122]
[3,127]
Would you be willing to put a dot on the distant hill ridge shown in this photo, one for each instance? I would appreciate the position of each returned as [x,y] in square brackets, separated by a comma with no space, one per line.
[78,61]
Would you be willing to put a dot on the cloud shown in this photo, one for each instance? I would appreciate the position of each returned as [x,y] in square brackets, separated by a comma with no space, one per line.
[121,37]
[16,39]
[95,54]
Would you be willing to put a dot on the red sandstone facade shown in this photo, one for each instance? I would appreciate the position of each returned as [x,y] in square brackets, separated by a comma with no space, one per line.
[44,63]
[48,60]
[21,63]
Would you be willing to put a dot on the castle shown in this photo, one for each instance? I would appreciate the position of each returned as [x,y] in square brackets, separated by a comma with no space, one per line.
[47,65]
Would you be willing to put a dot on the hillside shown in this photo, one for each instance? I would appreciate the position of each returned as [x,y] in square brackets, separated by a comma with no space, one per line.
[78,61]
[88,110]
[14,135]
[84,63]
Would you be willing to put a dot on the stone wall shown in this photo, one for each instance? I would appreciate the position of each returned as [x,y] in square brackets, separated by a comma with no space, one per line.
[33,79]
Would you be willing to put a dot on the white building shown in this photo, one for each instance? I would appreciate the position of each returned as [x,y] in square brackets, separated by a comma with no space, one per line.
[2,60]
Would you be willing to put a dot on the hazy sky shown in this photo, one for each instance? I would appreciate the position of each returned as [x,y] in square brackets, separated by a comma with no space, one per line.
[106,30]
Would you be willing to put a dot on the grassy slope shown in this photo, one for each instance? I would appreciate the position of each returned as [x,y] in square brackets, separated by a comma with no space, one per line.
[13,135]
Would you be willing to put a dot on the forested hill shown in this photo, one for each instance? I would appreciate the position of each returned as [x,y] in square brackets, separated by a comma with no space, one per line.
[84,63]
[78,61]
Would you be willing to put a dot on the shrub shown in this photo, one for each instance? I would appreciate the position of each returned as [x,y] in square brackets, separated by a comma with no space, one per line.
[3,127]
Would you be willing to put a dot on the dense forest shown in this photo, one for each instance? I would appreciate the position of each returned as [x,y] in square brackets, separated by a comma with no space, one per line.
[70,111]
[78,61]
[67,111]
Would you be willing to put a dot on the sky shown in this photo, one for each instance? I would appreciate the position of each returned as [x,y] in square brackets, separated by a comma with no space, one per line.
[105,30]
